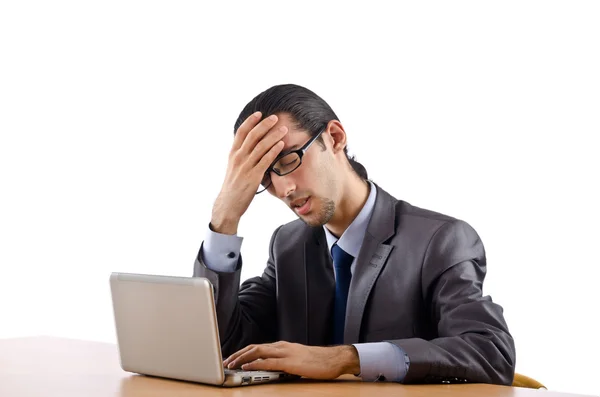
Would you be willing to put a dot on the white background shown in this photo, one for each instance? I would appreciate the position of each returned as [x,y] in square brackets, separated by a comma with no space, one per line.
[116,119]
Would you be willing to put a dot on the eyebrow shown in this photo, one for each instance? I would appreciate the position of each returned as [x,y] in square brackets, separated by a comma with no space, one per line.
[289,149]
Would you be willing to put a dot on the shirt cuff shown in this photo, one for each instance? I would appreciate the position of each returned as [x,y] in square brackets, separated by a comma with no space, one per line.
[221,252]
[382,361]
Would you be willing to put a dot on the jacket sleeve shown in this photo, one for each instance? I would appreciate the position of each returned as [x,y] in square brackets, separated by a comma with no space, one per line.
[473,343]
[246,314]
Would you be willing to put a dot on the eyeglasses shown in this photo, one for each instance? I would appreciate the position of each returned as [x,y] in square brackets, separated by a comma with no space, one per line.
[286,163]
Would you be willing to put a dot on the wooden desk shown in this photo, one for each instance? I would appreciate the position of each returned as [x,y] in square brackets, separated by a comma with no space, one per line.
[45,366]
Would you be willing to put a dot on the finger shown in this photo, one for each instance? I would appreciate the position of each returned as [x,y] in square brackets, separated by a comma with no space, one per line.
[269,157]
[237,354]
[259,352]
[266,143]
[245,128]
[270,364]
[257,133]
[248,355]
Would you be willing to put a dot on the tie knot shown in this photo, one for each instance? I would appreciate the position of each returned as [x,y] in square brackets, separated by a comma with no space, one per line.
[341,259]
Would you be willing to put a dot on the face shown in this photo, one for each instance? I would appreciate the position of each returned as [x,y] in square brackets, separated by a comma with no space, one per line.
[314,180]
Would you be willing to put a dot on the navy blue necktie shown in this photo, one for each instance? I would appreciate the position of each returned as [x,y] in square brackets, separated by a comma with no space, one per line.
[342,262]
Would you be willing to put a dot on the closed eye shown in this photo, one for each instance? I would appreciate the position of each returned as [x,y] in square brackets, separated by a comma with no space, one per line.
[290,163]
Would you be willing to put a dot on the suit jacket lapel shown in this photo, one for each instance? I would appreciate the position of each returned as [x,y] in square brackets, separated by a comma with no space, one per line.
[371,260]
[320,288]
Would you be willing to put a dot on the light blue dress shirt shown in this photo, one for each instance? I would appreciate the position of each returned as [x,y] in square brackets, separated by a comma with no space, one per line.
[378,360]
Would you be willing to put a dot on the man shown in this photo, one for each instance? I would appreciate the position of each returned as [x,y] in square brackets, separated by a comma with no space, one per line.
[361,283]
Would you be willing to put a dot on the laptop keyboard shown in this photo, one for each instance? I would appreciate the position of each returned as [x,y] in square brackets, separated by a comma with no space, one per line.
[228,371]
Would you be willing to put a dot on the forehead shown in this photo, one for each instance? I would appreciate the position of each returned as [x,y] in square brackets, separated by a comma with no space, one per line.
[296,137]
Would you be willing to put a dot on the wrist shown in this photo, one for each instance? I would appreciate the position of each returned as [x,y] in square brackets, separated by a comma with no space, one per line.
[222,221]
[224,226]
[350,361]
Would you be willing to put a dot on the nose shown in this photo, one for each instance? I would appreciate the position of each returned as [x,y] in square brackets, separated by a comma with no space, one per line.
[283,186]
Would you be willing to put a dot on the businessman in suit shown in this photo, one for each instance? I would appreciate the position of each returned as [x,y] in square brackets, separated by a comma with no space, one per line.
[362,283]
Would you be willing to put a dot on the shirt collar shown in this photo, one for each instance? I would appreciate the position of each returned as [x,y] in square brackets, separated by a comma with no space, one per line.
[352,238]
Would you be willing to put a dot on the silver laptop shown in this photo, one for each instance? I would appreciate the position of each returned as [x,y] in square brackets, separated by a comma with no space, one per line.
[167,327]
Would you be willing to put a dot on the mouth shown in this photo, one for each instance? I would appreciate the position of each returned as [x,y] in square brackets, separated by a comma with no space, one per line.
[301,206]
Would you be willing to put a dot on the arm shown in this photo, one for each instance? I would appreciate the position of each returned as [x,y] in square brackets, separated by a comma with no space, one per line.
[473,343]
[245,314]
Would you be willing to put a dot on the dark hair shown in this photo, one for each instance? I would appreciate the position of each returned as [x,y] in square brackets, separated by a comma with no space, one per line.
[309,111]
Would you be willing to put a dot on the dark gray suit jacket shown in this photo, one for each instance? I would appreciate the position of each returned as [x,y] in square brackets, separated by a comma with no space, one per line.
[417,284]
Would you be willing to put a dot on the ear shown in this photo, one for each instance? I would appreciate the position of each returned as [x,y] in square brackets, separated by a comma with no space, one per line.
[338,135]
